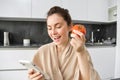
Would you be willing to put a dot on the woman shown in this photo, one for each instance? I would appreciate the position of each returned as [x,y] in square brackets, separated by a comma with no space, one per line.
[64,58]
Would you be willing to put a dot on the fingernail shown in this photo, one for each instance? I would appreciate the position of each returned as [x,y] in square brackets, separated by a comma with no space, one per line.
[74,30]
[41,75]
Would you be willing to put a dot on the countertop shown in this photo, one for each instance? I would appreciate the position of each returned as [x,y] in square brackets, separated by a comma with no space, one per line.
[33,46]
[99,45]
[38,45]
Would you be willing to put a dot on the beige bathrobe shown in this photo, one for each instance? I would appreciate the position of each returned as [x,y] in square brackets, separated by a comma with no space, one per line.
[63,67]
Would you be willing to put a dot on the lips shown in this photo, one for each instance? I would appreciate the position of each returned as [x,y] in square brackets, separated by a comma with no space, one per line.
[56,39]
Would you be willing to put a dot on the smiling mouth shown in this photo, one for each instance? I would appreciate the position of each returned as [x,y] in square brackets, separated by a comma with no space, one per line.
[57,38]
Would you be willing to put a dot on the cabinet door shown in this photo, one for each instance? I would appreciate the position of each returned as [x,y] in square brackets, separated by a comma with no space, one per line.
[9,58]
[14,75]
[117,60]
[77,8]
[15,8]
[103,61]
[112,3]
[98,10]
[41,7]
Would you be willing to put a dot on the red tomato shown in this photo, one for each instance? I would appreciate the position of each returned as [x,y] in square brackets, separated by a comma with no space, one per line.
[80,28]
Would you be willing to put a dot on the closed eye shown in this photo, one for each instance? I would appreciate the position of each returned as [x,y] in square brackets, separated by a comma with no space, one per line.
[58,27]
[49,28]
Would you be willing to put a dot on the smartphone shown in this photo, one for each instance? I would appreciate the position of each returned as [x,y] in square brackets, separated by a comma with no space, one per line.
[30,65]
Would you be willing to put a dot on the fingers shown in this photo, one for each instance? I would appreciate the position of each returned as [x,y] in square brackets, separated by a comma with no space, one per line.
[78,35]
[34,75]
[78,40]
[72,42]
[30,71]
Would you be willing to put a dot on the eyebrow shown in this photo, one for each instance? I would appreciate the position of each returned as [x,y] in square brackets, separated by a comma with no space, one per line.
[54,25]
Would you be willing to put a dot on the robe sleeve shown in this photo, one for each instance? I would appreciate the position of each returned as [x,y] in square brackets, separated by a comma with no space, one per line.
[36,59]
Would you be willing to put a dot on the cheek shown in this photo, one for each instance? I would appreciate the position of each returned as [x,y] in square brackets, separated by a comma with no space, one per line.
[64,32]
[49,33]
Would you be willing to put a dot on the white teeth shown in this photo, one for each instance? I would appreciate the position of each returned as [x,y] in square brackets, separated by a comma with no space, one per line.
[56,38]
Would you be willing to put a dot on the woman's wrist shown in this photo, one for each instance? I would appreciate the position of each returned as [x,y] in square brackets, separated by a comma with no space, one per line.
[81,49]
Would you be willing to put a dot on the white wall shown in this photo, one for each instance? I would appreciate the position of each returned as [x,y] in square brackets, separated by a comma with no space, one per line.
[112,3]
[117,66]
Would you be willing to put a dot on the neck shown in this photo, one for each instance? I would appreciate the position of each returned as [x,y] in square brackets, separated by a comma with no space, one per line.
[62,46]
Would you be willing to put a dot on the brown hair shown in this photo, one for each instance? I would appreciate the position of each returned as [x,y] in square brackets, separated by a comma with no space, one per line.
[62,12]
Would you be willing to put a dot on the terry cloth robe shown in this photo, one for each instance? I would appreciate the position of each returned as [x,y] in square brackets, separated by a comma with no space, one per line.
[63,67]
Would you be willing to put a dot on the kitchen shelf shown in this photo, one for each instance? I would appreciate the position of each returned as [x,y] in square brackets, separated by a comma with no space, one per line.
[37,46]
[44,20]
[21,46]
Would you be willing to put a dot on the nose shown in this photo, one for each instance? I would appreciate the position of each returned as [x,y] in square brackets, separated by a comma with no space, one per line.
[54,32]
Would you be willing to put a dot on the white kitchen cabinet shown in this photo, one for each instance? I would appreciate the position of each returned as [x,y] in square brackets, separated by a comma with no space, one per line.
[9,58]
[117,60]
[41,7]
[112,10]
[103,59]
[98,10]
[10,68]
[112,3]
[112,13]
[14,75]
[86,10]
[77,8]
[15,8]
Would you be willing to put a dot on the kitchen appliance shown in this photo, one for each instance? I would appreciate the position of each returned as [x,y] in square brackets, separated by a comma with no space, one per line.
[6,39]
[26,42]
[92,37]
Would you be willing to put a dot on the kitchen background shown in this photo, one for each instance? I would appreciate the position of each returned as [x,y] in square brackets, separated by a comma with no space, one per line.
[37,32]
[26,19]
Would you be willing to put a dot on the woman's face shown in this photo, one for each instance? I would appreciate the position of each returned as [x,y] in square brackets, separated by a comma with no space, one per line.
[57,29]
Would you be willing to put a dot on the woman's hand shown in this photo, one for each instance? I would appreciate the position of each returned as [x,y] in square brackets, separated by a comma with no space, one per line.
[32,75]
[78,40]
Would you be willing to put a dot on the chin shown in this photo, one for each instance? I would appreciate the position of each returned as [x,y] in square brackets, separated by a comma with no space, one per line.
[57,43]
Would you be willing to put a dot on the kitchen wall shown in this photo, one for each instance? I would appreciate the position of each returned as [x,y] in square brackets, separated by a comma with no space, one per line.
[37,33]
[101,31]
[19,30]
